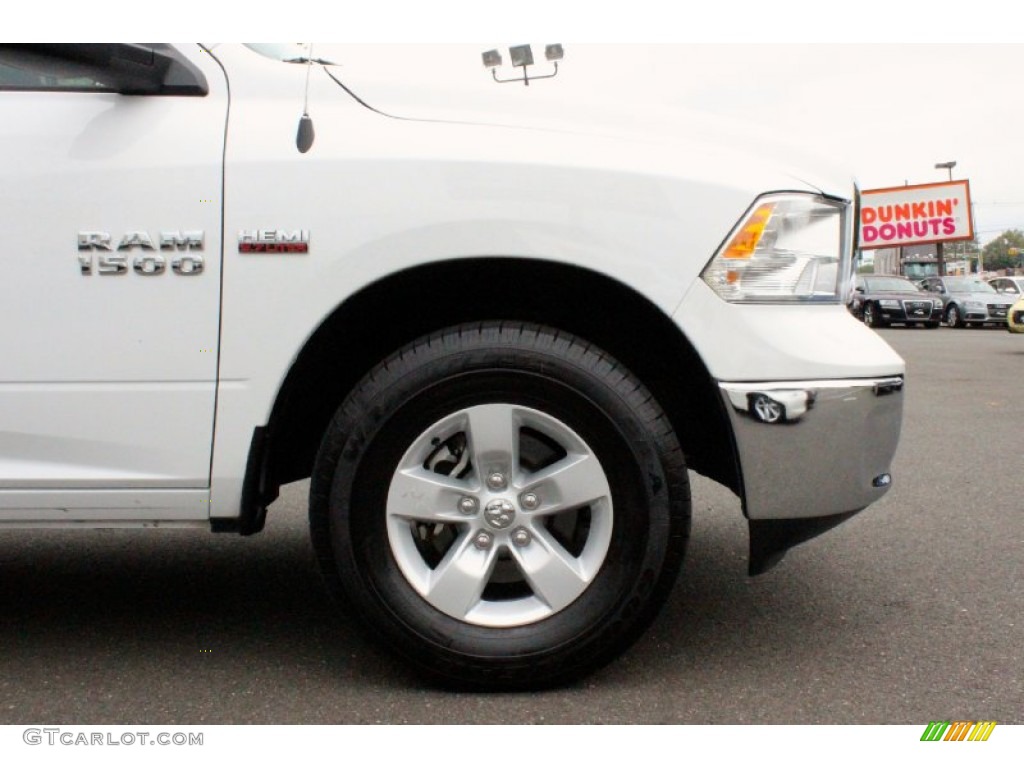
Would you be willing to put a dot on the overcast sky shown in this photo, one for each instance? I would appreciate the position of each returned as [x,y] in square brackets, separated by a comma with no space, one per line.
[888,112]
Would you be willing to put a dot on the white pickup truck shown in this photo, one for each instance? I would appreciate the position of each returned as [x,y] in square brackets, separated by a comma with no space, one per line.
[495,346]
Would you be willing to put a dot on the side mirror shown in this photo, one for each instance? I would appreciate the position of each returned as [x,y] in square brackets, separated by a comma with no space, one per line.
[128,68]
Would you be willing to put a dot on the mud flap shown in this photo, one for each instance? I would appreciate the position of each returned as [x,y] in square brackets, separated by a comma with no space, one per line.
[771,539]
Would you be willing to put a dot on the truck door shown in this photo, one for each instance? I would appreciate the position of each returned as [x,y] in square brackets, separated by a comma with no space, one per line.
[111,260]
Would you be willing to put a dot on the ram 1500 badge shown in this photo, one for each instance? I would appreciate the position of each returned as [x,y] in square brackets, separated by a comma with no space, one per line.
[517,337]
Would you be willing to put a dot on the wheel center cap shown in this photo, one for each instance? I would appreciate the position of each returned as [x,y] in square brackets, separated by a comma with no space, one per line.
[500,514]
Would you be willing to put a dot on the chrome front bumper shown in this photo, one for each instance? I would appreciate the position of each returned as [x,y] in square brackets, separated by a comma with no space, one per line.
[814,449]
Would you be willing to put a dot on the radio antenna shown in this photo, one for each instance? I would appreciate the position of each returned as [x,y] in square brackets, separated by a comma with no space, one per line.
[305,135]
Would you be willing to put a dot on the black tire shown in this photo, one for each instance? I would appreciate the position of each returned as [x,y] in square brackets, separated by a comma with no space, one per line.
[954,318]
[491,368]
[871,318]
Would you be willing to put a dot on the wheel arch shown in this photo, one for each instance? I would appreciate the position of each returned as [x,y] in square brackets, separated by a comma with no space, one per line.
[397,309]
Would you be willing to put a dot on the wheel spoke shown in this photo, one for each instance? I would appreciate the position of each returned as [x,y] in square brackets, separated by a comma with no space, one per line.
[458,581]
[494,439]
[555,576]
[573,482]
[418,494]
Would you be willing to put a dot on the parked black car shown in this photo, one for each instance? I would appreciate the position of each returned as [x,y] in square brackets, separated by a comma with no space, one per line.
[879,300]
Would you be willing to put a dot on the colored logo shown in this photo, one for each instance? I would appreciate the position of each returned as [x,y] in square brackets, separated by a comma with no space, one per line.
[958,730]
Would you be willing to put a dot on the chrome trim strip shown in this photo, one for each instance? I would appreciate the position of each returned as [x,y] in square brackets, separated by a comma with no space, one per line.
[759,386]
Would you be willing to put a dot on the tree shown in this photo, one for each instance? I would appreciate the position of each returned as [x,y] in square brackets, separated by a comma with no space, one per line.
[1005,251]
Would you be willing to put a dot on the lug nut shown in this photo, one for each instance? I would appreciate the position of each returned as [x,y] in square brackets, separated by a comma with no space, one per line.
[483,540]
[529,500]
[468,505]
[495,481]
[521,537]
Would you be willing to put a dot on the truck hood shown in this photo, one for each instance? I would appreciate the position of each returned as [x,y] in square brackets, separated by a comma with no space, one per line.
[471,96]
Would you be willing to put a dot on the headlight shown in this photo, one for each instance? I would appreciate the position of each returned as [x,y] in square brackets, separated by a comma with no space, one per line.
[937,303]
[787,247]
[889,303]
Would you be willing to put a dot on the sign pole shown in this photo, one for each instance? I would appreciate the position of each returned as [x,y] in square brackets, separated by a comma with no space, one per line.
[940,250]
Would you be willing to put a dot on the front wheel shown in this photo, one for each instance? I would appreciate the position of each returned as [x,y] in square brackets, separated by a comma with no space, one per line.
[871,318]
[953,317]
[504,504]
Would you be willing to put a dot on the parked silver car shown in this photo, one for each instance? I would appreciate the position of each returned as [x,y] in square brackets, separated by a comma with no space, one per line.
[1012,286]
[968,301]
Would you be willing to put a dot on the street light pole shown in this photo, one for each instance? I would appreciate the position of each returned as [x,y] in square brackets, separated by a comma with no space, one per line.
[981,255]
[940,255]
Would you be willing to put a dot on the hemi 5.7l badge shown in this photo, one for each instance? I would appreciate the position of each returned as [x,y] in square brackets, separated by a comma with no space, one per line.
[273,241]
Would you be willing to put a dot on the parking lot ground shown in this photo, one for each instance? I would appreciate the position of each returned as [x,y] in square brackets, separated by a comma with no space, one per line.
[911,612]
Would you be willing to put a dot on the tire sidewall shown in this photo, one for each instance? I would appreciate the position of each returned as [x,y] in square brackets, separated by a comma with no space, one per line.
[954,319]
[596,401]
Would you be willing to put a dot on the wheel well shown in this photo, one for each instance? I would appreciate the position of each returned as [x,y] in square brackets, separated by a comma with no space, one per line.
[394,311]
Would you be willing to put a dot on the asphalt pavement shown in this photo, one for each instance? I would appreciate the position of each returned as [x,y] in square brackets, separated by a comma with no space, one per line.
[911,612]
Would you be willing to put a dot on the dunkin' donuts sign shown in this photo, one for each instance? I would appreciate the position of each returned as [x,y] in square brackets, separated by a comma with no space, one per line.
[922,213]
